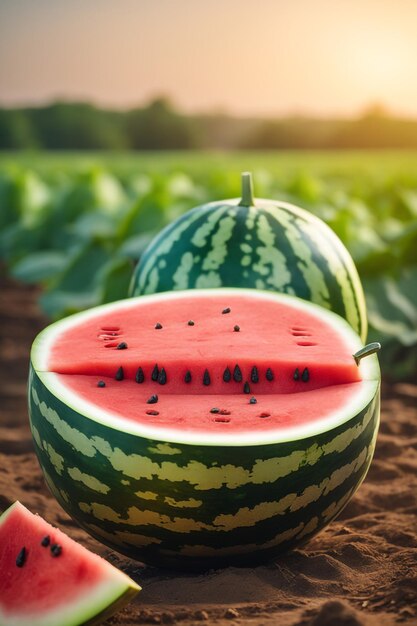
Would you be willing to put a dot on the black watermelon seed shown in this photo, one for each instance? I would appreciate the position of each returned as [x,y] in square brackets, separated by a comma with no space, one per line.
[215,410]
[190,323]
[122,346]
[269,374]
[101,383]
[140,376]
[296,374]
[152,412]
[162,378]
[254,376]
[46,541]
[237,374]
[120,374]
[253,400]
[56,549]
[158,326]
[246,387]
[236,328]
[155,373]
[153,399]
[206,378]
[227,375]
[187,377]
[305,376]
[226,310]
[21,557]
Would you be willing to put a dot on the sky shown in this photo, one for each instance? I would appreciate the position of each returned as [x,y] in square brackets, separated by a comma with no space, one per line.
[246,57]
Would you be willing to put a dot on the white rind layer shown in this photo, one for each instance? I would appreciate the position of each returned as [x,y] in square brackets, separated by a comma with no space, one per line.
[362,392]
[78,611]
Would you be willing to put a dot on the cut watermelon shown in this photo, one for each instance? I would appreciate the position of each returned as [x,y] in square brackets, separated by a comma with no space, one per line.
[206,425]
[47,579]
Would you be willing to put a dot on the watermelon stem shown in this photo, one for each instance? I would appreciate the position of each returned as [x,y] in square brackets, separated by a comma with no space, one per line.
[366,351]
[247,190]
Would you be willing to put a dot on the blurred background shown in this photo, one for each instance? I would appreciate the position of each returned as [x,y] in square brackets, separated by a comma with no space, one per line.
[117,117]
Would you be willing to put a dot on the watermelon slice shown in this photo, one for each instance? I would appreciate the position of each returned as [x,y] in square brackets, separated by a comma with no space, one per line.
[47,579]
[203,425]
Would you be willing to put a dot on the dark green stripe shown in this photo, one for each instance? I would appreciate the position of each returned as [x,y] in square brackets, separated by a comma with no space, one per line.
[297,284]
[337,303]
[173,258]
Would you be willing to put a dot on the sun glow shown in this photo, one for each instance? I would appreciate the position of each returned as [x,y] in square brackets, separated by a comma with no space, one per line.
[244,56]
[382,63]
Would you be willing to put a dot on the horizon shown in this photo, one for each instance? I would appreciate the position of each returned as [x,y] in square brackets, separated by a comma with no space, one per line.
[372,110]
[233,57]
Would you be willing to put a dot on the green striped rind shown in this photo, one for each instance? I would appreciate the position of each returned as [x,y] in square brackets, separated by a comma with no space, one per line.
[273,246]
[195,505]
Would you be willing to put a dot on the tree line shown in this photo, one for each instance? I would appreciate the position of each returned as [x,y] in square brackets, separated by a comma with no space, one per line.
[160,126]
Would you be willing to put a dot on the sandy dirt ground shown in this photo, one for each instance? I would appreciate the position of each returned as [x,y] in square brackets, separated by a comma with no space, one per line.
[361,570]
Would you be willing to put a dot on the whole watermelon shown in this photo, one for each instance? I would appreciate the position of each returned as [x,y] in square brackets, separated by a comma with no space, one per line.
[265,244]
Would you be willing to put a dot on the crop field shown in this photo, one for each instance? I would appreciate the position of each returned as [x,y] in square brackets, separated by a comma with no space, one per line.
[77,223]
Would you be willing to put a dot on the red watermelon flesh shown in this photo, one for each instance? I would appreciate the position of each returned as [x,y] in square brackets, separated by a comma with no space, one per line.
[66,589]
[205,333]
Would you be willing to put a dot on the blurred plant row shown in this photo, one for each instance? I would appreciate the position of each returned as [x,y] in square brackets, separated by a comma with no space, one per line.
[78,227]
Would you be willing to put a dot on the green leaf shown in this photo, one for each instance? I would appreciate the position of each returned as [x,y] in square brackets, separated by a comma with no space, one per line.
[16,241]
[94,226]
[57,303]
[80,275]
[40,266]
[392,306]
[9,212]
[134,247]
[115,280]
[108,192]
[409,198]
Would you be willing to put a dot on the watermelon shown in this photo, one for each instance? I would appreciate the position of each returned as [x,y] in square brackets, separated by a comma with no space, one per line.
[265,245]
[204,427]
[48,579]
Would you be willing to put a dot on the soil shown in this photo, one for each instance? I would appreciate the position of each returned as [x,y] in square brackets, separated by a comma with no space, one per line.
[361,570]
